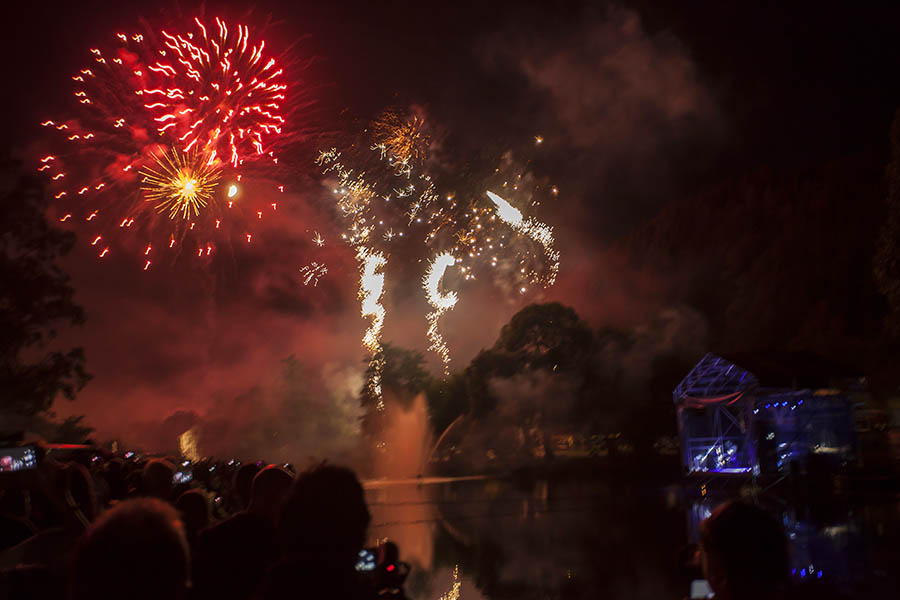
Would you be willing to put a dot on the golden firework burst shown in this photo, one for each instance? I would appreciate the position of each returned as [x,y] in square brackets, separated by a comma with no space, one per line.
[402,140]
[180,183]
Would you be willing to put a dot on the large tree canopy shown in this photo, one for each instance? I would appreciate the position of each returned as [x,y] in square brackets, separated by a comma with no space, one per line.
[35,299]
[550,336]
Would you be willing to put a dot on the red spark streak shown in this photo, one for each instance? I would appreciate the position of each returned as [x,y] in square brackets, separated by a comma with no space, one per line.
[211,73]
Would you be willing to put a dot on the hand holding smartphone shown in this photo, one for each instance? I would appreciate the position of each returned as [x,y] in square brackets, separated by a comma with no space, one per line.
[18,466]
[22,458]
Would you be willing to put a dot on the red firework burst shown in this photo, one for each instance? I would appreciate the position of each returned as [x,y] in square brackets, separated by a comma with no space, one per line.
[214,98]
[221,95]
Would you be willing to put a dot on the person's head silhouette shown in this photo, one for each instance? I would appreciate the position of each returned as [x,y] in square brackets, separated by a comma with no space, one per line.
[743,551]
[136,550]
[268,491]
[324,516]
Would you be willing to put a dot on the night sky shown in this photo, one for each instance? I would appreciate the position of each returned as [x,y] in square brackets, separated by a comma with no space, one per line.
[640,104]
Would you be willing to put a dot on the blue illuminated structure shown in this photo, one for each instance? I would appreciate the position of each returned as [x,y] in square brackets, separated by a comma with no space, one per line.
[768,415]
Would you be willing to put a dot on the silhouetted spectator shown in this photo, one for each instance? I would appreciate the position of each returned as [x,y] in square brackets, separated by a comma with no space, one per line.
[73,495]
[232,557]
[156,479]
[322,528]
[135,551]
[243,481]
[15,527]
[743,551]
[194,509]
[31,582]
[268,491]
[115,479]
[14,530]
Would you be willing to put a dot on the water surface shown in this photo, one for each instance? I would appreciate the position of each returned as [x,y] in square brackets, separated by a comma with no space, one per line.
[595,538]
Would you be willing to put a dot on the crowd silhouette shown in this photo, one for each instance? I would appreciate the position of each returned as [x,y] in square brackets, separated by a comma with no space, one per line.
[104,527]
[98,527]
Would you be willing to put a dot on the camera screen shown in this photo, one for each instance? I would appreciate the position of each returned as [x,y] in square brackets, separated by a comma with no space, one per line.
[365,560]
[700,589]
[17,459]
[183,476]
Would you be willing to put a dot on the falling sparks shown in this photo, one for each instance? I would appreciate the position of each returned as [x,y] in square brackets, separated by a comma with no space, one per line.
[441,303]
[384,197]
[453,593]
[539,232]
[312,272]
[318,240]
[371,289]
[181,184]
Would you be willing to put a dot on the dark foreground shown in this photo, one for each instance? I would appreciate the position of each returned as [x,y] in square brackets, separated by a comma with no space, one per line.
[224,530]
[575,538]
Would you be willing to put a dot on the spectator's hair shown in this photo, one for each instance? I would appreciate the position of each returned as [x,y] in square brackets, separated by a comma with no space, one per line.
[270,486]
[156,478]
[194,509]
[115,478]
[80,493]
[135,551]
[325,515]
[748,548]
[243,482]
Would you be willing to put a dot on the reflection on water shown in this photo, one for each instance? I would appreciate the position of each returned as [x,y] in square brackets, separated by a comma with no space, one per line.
[850,547]
[578,539]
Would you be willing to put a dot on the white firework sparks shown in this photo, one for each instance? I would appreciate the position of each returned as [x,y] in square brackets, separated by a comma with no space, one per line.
[371,288]
[312,272]
[539,232]
[440,302]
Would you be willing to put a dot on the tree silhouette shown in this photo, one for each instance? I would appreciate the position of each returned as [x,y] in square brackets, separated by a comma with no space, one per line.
[547,336]
[403,375]
[887,257]
[550,336]
[35,299]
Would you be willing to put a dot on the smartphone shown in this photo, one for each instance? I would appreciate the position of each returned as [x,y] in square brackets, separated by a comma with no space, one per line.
[22,458]
[700,590]
[183,475]
[366,560]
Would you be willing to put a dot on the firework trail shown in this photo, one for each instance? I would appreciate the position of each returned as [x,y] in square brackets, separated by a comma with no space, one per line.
[371,207]
[469,226]
[379,198]
[371,289]
[453,592]
[313,272]
[440,302]
[161,121]
[384,196]
[539,232]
